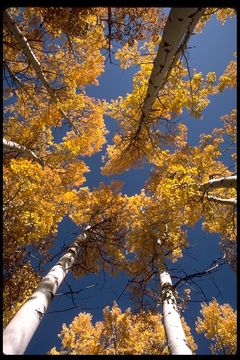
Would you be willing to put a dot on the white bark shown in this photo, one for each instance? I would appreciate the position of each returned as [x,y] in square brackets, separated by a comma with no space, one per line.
[177,31]
[175,335]
[223,182]
[24,45]
[232,201]
[11,145]
[19,332]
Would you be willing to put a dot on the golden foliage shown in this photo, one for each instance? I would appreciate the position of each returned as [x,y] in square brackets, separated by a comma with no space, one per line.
[230,124]
[118,334]
[175,182]
[17,289]
[139,137]
[222,14]
[35,201]
[229,77]
[219,324]
[103,209]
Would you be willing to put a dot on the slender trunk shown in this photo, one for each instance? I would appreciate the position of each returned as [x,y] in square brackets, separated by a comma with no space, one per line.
[176,338]
[177,31]
[232,201]
[223,182]
[11,145]
[25,47]
[19,332]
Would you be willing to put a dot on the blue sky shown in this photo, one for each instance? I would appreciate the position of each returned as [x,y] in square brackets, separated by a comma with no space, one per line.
[212,51]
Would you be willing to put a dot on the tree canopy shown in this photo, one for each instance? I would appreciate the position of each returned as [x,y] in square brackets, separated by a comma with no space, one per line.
[52,130]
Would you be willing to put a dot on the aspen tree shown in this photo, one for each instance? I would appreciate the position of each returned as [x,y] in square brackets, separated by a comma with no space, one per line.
[177,31]
[19,332]
[103,212]
[176,338]
[139,112]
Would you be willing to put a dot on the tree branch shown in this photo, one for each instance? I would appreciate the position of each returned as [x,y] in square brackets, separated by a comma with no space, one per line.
[232,201]
[22,41]
[223,182]
[11,145]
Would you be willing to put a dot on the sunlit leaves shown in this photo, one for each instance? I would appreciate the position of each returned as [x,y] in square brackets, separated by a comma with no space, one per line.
[119,333]
[230,125]
[222,14]
[104,211]
[229,77]
[139,137]
[136,233]
[219,324]
[175,185]
[31,210]
[35,202]
[87,115]
[17,289]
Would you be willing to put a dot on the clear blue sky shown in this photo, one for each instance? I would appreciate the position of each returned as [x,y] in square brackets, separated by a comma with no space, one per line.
[212,52]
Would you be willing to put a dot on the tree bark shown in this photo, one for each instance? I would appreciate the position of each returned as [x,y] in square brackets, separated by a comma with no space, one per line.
[175,335]
[19,332]
[11,145]
[177,31]
[223,182]
[24,45]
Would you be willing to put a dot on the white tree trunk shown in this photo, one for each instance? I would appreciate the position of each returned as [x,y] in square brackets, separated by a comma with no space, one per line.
[175,335]
[223,182]
[11,145]
[24,45]
[176,33]
[19,332]
[232,201]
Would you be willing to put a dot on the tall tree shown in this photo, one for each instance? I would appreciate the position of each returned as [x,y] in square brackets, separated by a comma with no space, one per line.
[94,249]
[50,56]
[176,337]
[140,136]
[177,31]
[19,331]
[40,174]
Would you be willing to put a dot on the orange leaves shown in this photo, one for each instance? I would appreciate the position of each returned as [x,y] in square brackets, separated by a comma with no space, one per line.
[29,193]
[219,324]
[147,226]
[72,175]
[87,116]
[35,199]
[181,139]
[230,127]
[229,77]
[189,337]
[120,333]
[17,289]
[81,336]
[175,182]
[221,13]
[140,137]
[230,124]
[103,210]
